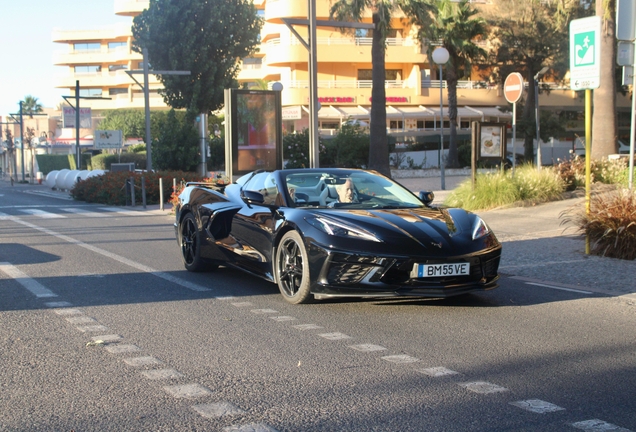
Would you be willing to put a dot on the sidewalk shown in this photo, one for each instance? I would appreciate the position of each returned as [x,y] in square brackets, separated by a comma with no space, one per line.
[537,247]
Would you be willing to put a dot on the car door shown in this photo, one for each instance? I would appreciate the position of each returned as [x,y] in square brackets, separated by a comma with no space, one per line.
[254,226]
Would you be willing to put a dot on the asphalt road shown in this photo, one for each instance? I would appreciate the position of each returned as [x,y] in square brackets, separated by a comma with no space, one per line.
[222,351]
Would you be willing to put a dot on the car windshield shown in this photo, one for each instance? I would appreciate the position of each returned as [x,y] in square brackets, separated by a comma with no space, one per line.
[347,189]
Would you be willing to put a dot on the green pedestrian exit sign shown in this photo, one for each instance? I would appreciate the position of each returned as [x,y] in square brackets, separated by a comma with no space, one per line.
[585,48]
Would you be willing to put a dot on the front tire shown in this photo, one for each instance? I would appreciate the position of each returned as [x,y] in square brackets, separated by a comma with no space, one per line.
[292,269]
[190,242]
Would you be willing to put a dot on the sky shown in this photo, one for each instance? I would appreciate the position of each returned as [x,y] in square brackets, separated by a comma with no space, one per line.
[26,57]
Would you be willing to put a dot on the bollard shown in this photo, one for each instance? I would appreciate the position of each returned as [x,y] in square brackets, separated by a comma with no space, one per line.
[143,191]
[160,194]
[132,191]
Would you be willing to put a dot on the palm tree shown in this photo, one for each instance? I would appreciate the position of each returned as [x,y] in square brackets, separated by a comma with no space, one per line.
[604,122]
[30,106]
[451,25]
[381,12]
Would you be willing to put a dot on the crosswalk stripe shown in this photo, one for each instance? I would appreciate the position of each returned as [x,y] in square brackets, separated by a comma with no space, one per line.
[32,285]
[125,212]
[84,212]
[42,214]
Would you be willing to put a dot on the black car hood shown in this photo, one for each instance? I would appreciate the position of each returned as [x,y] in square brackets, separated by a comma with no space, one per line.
[427,227]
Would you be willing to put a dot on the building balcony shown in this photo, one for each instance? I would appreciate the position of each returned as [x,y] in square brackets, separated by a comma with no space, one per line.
[342,50]
[102,79]
[117,55]
[110,33]
[130,7]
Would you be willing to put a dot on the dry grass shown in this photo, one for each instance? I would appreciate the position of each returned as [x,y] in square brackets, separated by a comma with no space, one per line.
[611,224]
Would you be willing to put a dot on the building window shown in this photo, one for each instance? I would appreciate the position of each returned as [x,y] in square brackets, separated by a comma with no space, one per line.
[115,45]
[90,92]
[396,124]
[389,74]
[87,69]
[117,91]
[113,68]
[93,46]
[329,125]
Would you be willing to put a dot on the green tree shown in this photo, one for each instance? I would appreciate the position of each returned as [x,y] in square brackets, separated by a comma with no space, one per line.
[454,26]
[130,122]
[604,121]
[381,13]
[204,37]
[526,37]
[177,145]
[30,106]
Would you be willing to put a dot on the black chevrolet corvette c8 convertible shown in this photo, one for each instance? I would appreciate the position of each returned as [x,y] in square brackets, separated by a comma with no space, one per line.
[321,233]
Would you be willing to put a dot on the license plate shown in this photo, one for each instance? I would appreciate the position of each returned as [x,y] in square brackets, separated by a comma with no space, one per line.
[440,270]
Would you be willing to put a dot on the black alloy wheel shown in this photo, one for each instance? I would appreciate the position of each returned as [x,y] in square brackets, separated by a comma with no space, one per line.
[292,269]
[190,244]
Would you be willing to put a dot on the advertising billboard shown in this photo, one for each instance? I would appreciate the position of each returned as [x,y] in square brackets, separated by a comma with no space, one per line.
[255,130]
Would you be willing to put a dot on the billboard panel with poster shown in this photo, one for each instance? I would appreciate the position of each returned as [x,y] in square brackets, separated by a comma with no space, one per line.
[255,130]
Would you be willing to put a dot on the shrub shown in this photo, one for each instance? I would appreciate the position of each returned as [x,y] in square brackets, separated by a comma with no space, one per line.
[501,188]
[610,225]
[109,188]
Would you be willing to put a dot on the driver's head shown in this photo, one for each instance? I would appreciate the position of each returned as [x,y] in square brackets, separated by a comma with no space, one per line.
[346,192]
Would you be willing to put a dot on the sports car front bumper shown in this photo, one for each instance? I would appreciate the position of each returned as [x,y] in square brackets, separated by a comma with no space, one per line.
[341,273]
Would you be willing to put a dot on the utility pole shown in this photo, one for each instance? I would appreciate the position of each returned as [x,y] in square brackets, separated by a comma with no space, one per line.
[145,87]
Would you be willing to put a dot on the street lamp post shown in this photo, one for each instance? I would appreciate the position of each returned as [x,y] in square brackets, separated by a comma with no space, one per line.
[440,57]
[536,111]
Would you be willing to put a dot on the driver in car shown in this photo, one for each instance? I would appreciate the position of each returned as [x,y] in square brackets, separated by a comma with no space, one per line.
[346,192]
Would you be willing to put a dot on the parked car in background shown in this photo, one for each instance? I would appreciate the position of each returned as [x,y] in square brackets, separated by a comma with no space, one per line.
[578,147]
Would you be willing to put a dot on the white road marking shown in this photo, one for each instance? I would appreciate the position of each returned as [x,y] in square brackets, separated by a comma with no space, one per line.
[118,349]
[42,214]
[68,311]
[92,328]
[216,410]
[483,387]
[559,288]
[81,320]
[4,216]
[159,374]
[437,371]
[400,358]
[123,260]
[33,286]
[537,406]
[283,318]
[107,338]
[188,391]
[142,361]
[334,336]
[264,311]
[84,212]
[253,427]
[242,304]
[123,212]
[307,327]
[367,347]
[596,425]
[59,304]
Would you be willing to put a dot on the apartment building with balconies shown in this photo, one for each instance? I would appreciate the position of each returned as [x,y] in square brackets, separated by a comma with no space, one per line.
[344,76]
[99,58]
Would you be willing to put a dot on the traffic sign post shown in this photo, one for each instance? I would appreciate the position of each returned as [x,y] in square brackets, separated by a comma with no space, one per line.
[585,73]
[513,90]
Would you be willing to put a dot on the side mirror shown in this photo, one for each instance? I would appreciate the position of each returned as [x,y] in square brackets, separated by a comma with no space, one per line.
[426,197]
[252,197]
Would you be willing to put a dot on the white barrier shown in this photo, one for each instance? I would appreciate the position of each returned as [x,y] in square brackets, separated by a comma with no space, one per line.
[65,179]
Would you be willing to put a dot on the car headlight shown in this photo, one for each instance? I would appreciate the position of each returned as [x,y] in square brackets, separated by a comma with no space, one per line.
[341,229]
[480,229]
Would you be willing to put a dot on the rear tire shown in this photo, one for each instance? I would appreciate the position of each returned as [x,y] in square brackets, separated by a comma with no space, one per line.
[190,242]
[292,269]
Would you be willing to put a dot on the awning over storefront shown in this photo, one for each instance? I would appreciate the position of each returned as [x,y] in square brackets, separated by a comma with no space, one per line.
[421,112]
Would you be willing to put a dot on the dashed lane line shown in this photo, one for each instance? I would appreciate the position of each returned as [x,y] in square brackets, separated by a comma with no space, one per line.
[559,288]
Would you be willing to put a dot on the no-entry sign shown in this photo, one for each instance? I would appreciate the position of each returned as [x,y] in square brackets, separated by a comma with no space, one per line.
[513,87]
